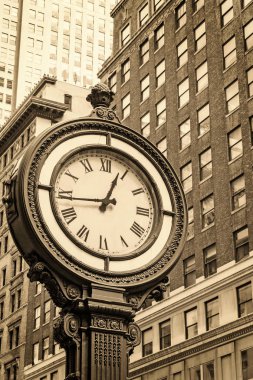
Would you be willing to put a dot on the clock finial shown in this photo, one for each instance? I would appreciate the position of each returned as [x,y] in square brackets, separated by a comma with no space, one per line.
[100,96]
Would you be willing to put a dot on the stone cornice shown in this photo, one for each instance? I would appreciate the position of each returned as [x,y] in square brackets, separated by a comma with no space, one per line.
[223,334]
[33,107]
[117,7]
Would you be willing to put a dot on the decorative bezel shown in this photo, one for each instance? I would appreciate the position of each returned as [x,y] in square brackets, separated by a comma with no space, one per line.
[30,228]
[142,173]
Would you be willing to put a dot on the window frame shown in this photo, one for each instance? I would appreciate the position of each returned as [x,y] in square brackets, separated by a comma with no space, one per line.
[214,315]
[193,325]
[241,242]
[237,193]
[210,263]
[124,40]
[228,54]
[240,312]
[144,88]
[182,103]
[163,338]
[159,39]
[198,38]
[205,214]
[189,270]
[180,18]
[205,164]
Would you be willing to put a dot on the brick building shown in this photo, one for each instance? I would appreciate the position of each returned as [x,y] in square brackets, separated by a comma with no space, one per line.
[27,348]
[183,76]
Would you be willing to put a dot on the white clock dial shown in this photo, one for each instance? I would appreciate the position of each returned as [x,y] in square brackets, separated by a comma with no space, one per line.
[104,201]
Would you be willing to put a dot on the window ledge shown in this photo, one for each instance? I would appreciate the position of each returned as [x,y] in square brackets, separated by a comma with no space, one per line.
[187,146]
[205,179]
[157,88]
[238,209]
[180,67]
[202,89]
[230,113]
[181,27]
[203,134]
[159,126]
[235,159]
[207,227]
[158,49]
[195,12]
[248,51]
[143,64]
[229,67]
[198,51]
[250,98]
[229,22]
[183,106]
[123,84]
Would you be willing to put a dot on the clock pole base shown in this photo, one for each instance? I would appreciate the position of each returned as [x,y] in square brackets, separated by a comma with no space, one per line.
[98,335]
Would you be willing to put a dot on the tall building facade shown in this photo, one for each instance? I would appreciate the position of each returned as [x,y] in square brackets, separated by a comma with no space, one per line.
[183,76]
[27,314]
[68,39]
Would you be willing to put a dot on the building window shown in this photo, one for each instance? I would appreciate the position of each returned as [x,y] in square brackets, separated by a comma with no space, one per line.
[182,53]
[183,93]
[144,52]
[202,76]
[37,317]
[189,271]
[125,71]
[241,240]
[190,232]
[45,348]
[143,15]
[250,81]
[147,342]
[113,82]
[203,372]
[180,15]
[165,334]
[125,35]
[46,312]
[3,276]
[186,176]
[207,209]
[212,313]
[200,36]
[144,88]
[232,96]
[1,309]
[185,134]
[229,52]
[36,353]
[160,73]
[38,287]
[210,260]
[247,364]
[68,101]
[158,4]
[13,336]
[160,112]
[145,125]
[54,375]
[191,323]
[248,35]
[238,192]
[162,146]
[235,148]
[205,164]
[125,105]
[227,11]
[159,37]
[197,4]
[244,300]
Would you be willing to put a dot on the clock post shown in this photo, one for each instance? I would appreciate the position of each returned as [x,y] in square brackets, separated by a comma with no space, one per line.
[100,217]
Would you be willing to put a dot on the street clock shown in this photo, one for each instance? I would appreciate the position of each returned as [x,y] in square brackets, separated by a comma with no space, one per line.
[98,203]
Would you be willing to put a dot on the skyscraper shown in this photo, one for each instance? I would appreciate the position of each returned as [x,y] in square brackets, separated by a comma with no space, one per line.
[183,76]
[67,39]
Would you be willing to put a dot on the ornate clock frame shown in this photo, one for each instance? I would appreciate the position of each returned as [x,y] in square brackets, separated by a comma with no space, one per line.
[96,326]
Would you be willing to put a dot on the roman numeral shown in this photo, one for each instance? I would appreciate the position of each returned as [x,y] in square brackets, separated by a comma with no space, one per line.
[137,229]
[65,194]
[67,172]
[83,233]
[123,176]
[102,243]
[124,243]
[87,165]
[106,165]
[138,191]
[142,211]
[69,214]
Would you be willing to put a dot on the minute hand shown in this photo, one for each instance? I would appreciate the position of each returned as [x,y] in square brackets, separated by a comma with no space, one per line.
[113,201]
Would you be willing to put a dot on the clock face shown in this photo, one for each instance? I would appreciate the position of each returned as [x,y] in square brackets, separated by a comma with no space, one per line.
[104,201]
